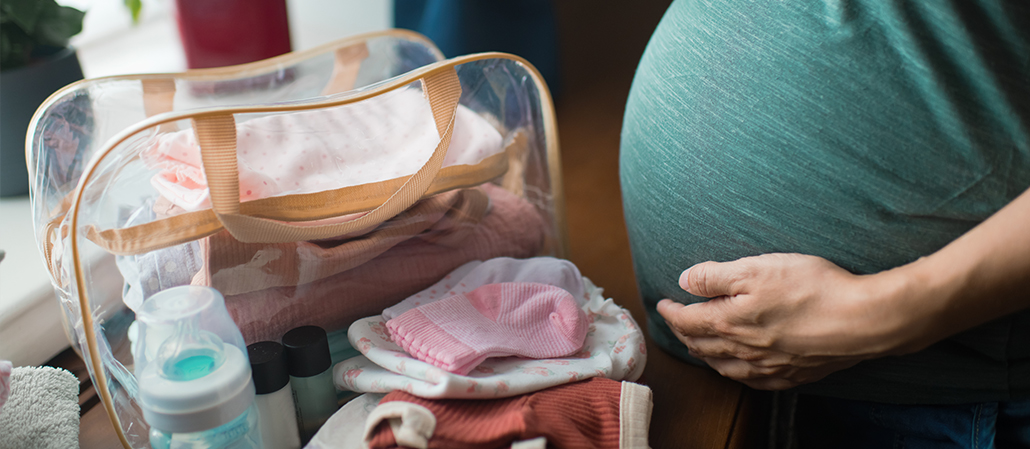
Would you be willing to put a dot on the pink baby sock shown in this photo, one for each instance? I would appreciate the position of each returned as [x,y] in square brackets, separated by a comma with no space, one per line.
[532,320]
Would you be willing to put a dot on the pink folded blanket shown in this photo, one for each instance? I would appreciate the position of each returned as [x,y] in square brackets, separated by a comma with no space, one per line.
[374,140]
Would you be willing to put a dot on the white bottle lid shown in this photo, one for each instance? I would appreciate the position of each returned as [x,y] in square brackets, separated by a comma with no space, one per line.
[200,404]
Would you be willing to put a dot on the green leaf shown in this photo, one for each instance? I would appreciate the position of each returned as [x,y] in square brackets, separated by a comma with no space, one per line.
[24,13]
[135,6]
[57,25]
[28,24]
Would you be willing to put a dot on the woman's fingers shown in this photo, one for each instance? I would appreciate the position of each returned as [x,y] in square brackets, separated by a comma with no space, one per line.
[722,348]
[711,279]
[738,369]
[694,320]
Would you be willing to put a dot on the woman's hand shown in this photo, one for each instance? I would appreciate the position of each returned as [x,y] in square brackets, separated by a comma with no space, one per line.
[781,320]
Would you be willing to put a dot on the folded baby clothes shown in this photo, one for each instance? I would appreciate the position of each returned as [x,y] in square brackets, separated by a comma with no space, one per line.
[592,414]
[512,227]
[235,267]
[613,348]
[5,381]
[527,319]
[468,277]
[151,272]
[384,137]
[42,410]
[345,429]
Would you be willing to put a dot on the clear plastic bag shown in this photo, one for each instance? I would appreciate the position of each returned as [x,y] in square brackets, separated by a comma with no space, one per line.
[313,188]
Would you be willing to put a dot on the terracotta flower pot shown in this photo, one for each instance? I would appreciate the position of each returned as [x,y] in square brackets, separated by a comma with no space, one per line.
[23,89]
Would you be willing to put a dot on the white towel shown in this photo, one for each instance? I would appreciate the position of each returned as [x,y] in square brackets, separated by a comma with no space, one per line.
[42,410]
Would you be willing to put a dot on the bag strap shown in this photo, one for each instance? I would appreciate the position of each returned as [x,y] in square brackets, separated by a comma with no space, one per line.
[346,65]
[216,136]
[191,226]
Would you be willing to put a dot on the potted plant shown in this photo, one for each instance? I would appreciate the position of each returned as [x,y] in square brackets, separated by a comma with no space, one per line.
[35,61]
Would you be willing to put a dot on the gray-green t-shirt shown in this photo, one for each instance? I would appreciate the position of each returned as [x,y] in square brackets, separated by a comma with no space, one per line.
[868,132]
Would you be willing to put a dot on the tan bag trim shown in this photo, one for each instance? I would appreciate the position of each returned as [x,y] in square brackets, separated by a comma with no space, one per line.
[158,98]
[191,226]
[216,136]
[159,95]
[346,65]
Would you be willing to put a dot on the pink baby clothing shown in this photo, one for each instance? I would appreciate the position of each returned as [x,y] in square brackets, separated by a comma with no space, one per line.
[512,227]
[5,381]
[531,320]
[613,348]
[235,267]
[377,139]
[468,277]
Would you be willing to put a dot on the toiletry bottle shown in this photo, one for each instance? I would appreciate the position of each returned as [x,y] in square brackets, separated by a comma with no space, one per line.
[195,387]
[274,398]
[311,378]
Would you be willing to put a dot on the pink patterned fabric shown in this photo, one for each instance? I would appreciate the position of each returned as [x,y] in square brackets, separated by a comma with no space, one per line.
[532,320]
[5,381]
[381,138]
[512,228]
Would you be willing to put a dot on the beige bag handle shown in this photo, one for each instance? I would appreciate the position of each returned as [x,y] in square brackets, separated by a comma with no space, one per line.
[190,226]
[346,65]
[216,136]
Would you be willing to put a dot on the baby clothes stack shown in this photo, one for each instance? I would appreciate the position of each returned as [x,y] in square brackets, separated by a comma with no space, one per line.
[613,345]
[503,353]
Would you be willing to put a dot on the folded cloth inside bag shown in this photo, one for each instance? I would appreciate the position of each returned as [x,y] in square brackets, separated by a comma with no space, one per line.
[513,227]
[374,140]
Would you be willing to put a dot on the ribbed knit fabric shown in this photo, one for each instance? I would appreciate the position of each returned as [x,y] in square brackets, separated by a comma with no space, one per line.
[528,319]
[581,415]
[475,274]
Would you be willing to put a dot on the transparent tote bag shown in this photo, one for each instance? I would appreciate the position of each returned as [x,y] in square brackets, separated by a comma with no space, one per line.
[317,187]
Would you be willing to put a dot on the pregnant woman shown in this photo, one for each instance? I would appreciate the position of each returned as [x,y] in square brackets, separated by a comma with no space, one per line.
[833,194]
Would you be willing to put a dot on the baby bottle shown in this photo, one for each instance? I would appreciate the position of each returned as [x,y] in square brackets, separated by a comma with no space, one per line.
[195,386]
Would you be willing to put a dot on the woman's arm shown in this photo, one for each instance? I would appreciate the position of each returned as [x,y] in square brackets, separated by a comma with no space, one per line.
[780,320]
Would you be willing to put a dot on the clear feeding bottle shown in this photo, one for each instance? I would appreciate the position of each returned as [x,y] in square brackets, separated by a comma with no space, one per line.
[195,386]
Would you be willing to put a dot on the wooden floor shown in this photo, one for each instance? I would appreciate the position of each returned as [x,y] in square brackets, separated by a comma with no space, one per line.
[601,42]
